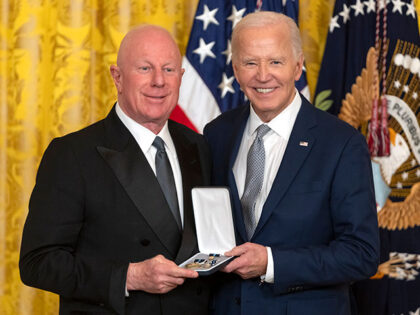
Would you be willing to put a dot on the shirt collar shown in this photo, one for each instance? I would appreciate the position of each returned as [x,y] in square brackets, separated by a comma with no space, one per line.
[143,136]
[283,123]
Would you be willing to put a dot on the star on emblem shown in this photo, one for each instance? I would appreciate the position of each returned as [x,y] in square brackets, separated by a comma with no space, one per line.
[415,95]
[399,185]
[413,162]
[418,172]
[228,52]
[204,50]
[236,16]
[370,6]
[405,88]
[417,312]
[345,13]
[411,10]
[333,23]
[358,8]
[397,6]
[397,84]
[382,4]
[226,85]
[404,175]
[208,17]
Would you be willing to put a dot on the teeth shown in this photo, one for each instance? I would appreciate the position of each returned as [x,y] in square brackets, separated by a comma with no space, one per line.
[264,90]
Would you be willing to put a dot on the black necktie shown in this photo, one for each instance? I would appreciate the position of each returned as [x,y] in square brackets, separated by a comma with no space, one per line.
[166,179]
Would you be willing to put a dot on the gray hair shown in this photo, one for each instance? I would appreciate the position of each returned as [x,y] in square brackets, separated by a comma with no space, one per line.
[267,18]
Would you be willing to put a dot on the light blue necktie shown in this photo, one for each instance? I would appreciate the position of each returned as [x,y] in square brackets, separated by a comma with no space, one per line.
[254,179]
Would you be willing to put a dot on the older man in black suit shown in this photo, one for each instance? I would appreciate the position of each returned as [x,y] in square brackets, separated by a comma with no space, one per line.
[111,215]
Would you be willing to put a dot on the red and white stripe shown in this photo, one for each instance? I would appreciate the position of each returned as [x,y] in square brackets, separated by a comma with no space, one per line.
[196,104]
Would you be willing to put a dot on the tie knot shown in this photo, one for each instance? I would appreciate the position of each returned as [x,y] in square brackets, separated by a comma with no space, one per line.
[159,144]
[262,131]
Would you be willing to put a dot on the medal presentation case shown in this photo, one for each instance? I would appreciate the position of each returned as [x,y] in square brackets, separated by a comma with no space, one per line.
[214,227]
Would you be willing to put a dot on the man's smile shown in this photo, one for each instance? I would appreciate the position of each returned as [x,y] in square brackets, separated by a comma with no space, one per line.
[264,90]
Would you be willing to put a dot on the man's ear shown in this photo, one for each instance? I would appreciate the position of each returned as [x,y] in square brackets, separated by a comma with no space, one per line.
[299,67]
[234,68]
[116,76]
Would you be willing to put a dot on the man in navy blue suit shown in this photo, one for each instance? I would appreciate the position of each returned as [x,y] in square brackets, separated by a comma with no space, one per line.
[301,185]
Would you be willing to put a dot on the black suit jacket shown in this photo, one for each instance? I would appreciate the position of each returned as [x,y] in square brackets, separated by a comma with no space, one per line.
[97,206]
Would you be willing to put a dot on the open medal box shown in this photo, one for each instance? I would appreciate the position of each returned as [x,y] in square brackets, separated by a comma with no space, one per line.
[214,227]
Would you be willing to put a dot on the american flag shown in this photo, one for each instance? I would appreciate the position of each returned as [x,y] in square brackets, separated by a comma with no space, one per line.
[208,85]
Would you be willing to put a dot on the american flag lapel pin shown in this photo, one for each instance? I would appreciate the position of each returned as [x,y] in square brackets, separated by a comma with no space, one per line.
[303,143]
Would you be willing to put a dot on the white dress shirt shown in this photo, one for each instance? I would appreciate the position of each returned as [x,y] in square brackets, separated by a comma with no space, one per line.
[275,142]
[144,137]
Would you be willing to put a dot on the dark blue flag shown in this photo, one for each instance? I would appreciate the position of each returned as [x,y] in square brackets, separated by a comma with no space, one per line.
[347,85]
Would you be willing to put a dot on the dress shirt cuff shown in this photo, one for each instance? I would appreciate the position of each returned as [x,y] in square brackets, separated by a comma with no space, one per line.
[126,291]
[269,273]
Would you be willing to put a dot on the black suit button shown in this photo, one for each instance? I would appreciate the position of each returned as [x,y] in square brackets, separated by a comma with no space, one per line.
[199,290]
[145,242]
[238,300]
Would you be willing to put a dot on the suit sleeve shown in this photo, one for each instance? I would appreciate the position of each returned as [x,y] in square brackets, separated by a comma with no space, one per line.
[49,259]
[353,253]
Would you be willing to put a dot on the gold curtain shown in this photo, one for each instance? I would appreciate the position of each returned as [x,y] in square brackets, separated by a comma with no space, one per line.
[54,79]
[54,61]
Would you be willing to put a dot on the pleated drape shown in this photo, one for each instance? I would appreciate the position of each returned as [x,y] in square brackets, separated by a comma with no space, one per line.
[54,79]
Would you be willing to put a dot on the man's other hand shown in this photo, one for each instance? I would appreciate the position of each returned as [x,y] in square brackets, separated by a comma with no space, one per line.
[156,275]
[251,261]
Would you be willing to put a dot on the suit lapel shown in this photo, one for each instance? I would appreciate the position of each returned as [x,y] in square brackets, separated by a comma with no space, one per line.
[296,153]
[133,171]
[189,163]
[238,130]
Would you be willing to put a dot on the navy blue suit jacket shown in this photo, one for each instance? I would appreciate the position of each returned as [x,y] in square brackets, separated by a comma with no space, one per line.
[319,218]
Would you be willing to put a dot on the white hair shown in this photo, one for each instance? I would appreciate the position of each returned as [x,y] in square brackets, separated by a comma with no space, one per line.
[267,18]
